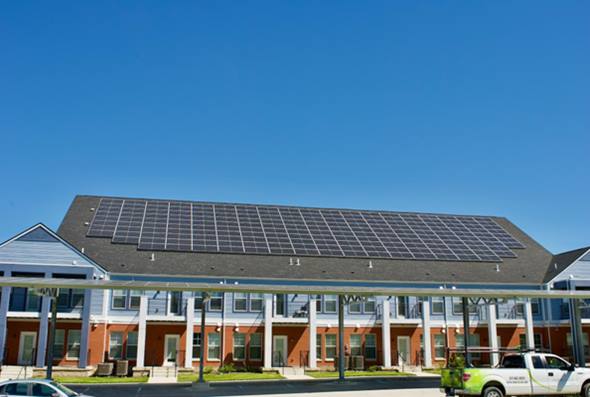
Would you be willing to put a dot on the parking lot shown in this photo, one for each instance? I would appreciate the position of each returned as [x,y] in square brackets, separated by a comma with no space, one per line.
[423,386]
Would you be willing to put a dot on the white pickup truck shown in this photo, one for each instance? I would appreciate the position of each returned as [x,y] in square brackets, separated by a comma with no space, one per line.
[519,374]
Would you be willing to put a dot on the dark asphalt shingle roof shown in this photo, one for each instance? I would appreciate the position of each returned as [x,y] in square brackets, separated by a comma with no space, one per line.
[561,261]
[530,267]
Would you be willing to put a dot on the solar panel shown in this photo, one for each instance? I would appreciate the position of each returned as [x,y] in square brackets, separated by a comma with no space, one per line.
[258,229]
[204,228]
[130,222]
[105,218]
[155,224]
[179,231]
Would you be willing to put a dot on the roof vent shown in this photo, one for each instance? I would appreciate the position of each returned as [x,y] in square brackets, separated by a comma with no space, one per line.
[91,209]
[153,257]
[370,264]
[497,267]
[290,261]
[86,223]
[82,250]
[74,262]
[297,263]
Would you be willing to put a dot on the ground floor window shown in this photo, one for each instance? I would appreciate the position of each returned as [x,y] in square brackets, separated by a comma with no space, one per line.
[196,346]
[73,344]
[355,345]
[537,338]
[239,347]
[213,346]
[370,347]
[439,346]
[131,346]
[116,345]
[584,338]
[58,345]
[330,346]
[318,347]
[256,347]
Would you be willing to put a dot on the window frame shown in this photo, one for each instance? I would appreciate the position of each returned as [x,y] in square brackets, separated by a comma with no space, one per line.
[120,346]
[439,342]
[256,297]
[368,346]
[373,301]
[434,302]
[216,296]
[127,345]
[252,346]
[241,346]
[217,346]
[58,355]
[240,297]
[332,299]
[359,338]
[197,336]
[334,346]
[70,344]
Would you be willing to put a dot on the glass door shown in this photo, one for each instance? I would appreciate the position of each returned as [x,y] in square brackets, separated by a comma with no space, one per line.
[26,348]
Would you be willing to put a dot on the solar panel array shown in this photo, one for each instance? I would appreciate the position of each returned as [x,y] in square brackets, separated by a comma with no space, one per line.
[261,229]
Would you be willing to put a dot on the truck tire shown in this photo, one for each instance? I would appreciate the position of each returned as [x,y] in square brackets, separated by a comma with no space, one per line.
[492,391]
[586,390]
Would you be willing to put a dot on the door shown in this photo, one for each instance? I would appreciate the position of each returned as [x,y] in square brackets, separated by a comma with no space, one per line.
[403,350]
[171,349]
[280,305]
[26,348]
[279,350]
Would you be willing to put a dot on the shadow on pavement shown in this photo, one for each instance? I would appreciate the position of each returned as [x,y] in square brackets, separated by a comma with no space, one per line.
[259,387]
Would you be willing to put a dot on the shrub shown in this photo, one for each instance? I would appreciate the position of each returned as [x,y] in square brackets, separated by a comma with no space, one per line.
[227,368]
[374,368]
[207,370]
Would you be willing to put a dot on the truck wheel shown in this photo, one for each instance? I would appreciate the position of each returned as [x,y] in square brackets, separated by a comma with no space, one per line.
[492,391]
[586,390]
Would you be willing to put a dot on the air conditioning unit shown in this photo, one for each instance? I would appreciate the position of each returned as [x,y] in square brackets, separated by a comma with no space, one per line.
[358,363]
[122,368]
[104,369]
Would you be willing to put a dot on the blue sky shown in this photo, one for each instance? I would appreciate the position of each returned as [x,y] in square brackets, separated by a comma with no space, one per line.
[460,107]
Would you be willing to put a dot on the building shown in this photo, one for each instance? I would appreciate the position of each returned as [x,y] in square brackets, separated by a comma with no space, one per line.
[138,239]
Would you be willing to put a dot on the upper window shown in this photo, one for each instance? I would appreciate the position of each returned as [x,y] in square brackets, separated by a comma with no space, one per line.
[175,302]
[256,301]
[216,302]
[330,303]
[438,305]
[370,305]
[586,257]
[240,302]
[354,307]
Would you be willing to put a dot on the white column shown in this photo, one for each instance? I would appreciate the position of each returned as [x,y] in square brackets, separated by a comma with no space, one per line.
[313,332]
[190,329]
[426,332]
[493,333]
[143,309]
[4,304]
[268,331]
[43,328]
[528,321]
[85,332]
[386,333]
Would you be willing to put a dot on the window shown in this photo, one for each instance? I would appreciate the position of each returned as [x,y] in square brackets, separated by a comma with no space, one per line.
[216,302]
[439,346]
[318,347]
[239,347]
[330,303]
[69,298]
[354,307]
[17,389]
[330,346]
[196,346]
[131,345]
[437,305]
[554,362]
[513,361]
[41,390]
[537,362]
[58,346]
[63,299]
[240,302]
[77,297]
[402,306]
[198,301]
[134,299]
[255,346]
[119,299]
[370,347]
[586,257]
[73,344]
[213,346]
[256,301]
[519,309]
[355,345]
[33,300]
[116,345]
[568,339]
[318,304]
[535,306]
[175,302]
[370,305]
[537,338]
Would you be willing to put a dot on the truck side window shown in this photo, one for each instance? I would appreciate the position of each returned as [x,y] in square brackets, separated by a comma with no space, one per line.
[513,362]
[555,363]
[537,362]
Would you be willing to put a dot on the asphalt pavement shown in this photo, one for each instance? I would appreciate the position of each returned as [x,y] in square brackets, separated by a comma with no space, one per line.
[370,387]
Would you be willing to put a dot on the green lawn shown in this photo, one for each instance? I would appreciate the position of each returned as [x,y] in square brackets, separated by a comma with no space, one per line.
[334,374]
[100,379]
[229,376]
[436,371]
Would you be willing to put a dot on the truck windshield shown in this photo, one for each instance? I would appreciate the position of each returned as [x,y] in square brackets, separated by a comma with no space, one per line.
[513,362]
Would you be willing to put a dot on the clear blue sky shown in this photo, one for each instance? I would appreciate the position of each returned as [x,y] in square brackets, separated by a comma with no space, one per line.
[442,106]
